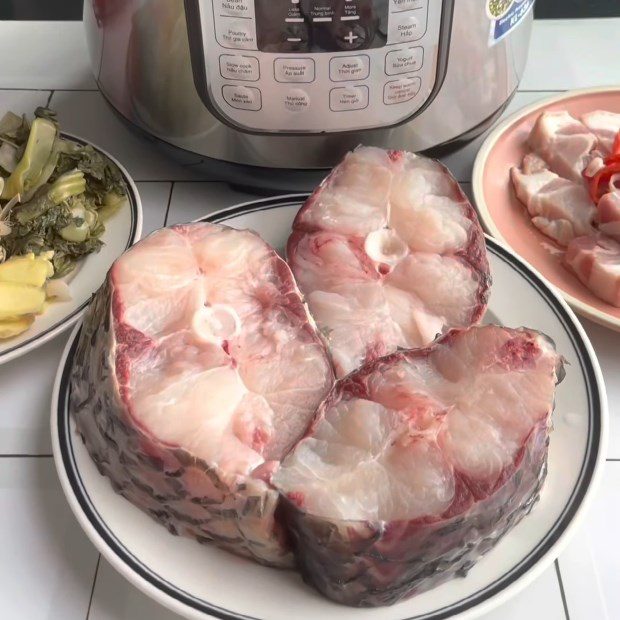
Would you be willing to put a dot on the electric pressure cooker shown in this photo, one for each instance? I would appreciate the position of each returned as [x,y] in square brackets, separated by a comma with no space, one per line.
[272,92]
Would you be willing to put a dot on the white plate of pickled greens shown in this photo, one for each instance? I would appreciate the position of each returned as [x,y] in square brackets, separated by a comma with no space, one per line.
[67,211]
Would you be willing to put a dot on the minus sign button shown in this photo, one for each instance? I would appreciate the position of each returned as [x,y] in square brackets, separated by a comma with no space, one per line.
[294,39]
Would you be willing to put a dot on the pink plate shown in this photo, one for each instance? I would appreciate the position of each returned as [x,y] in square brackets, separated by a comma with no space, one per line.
[505,217]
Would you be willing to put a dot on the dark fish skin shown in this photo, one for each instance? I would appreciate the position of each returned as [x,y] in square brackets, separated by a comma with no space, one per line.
[373,564]
[369,564]
[181,492]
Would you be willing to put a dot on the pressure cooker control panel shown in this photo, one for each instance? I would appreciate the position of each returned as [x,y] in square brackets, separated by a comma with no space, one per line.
[313,66]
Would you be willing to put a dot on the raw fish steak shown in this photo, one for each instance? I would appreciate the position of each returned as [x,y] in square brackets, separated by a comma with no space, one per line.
[419,462]
[198,368]
[388,253]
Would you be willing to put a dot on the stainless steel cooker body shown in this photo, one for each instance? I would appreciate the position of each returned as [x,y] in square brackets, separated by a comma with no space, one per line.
[242,86]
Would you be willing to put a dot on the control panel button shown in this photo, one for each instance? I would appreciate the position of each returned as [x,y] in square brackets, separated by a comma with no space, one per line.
[403,61]
[242,97]
[344,68]
[351,35]
[234,8]
[237,34]
[407,26]
[296,100]
[348,98]
[239,68]
[401,90]
[406,5]
[293,70]
[295,38]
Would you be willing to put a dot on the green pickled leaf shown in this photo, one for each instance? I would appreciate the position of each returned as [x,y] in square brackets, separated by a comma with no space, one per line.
[102,176]
[66,191]
[38,150]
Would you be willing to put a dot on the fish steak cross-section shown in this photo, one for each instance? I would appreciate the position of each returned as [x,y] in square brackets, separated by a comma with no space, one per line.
[197,369]
[388,253]
[419,462]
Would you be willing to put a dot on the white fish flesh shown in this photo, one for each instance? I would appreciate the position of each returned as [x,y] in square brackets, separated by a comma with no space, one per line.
[388,253]
[605,126]
[595,260]
[559,208]
[419,462]
[608,208]
[563,142]
[198,368]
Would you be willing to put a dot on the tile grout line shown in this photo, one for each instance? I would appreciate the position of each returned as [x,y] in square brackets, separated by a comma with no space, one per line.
[222,182]
[35,90]
[562,593]
[92,590]
[169,203]
[96,90]
[543,90]
[26,456]
[179,181]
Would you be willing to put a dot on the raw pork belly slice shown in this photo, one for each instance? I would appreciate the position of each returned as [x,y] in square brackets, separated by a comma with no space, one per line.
[388,253]
[418,463]
[605,126]
[563,142]
[609,214]
[559,208]
[198,368]
[595,260]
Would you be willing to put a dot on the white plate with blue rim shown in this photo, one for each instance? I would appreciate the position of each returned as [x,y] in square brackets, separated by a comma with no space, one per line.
[122,229]
[201,581]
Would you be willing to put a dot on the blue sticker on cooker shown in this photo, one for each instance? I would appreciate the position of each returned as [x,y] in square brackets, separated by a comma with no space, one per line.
[506,15]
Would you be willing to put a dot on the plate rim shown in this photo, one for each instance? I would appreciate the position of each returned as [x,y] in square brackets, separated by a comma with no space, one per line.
[487,221]
[579,501]
[135,231]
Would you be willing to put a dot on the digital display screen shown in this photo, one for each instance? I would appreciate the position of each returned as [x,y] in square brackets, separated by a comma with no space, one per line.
[288,26]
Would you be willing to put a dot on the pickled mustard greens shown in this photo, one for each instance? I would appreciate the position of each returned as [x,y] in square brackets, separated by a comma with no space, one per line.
[55,195]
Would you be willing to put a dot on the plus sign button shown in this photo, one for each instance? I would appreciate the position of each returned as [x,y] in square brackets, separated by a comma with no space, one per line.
[351,36]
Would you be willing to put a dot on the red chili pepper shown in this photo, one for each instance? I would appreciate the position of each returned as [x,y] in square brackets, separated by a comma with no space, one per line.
[616,147]
[602,177]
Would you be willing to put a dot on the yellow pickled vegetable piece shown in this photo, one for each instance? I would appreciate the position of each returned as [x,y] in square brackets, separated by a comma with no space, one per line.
[111,203]
[18,299]
[37,153]
[15,326]
[26,269]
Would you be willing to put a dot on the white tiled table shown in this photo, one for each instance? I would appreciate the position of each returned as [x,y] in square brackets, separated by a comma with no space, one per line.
[48,569]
